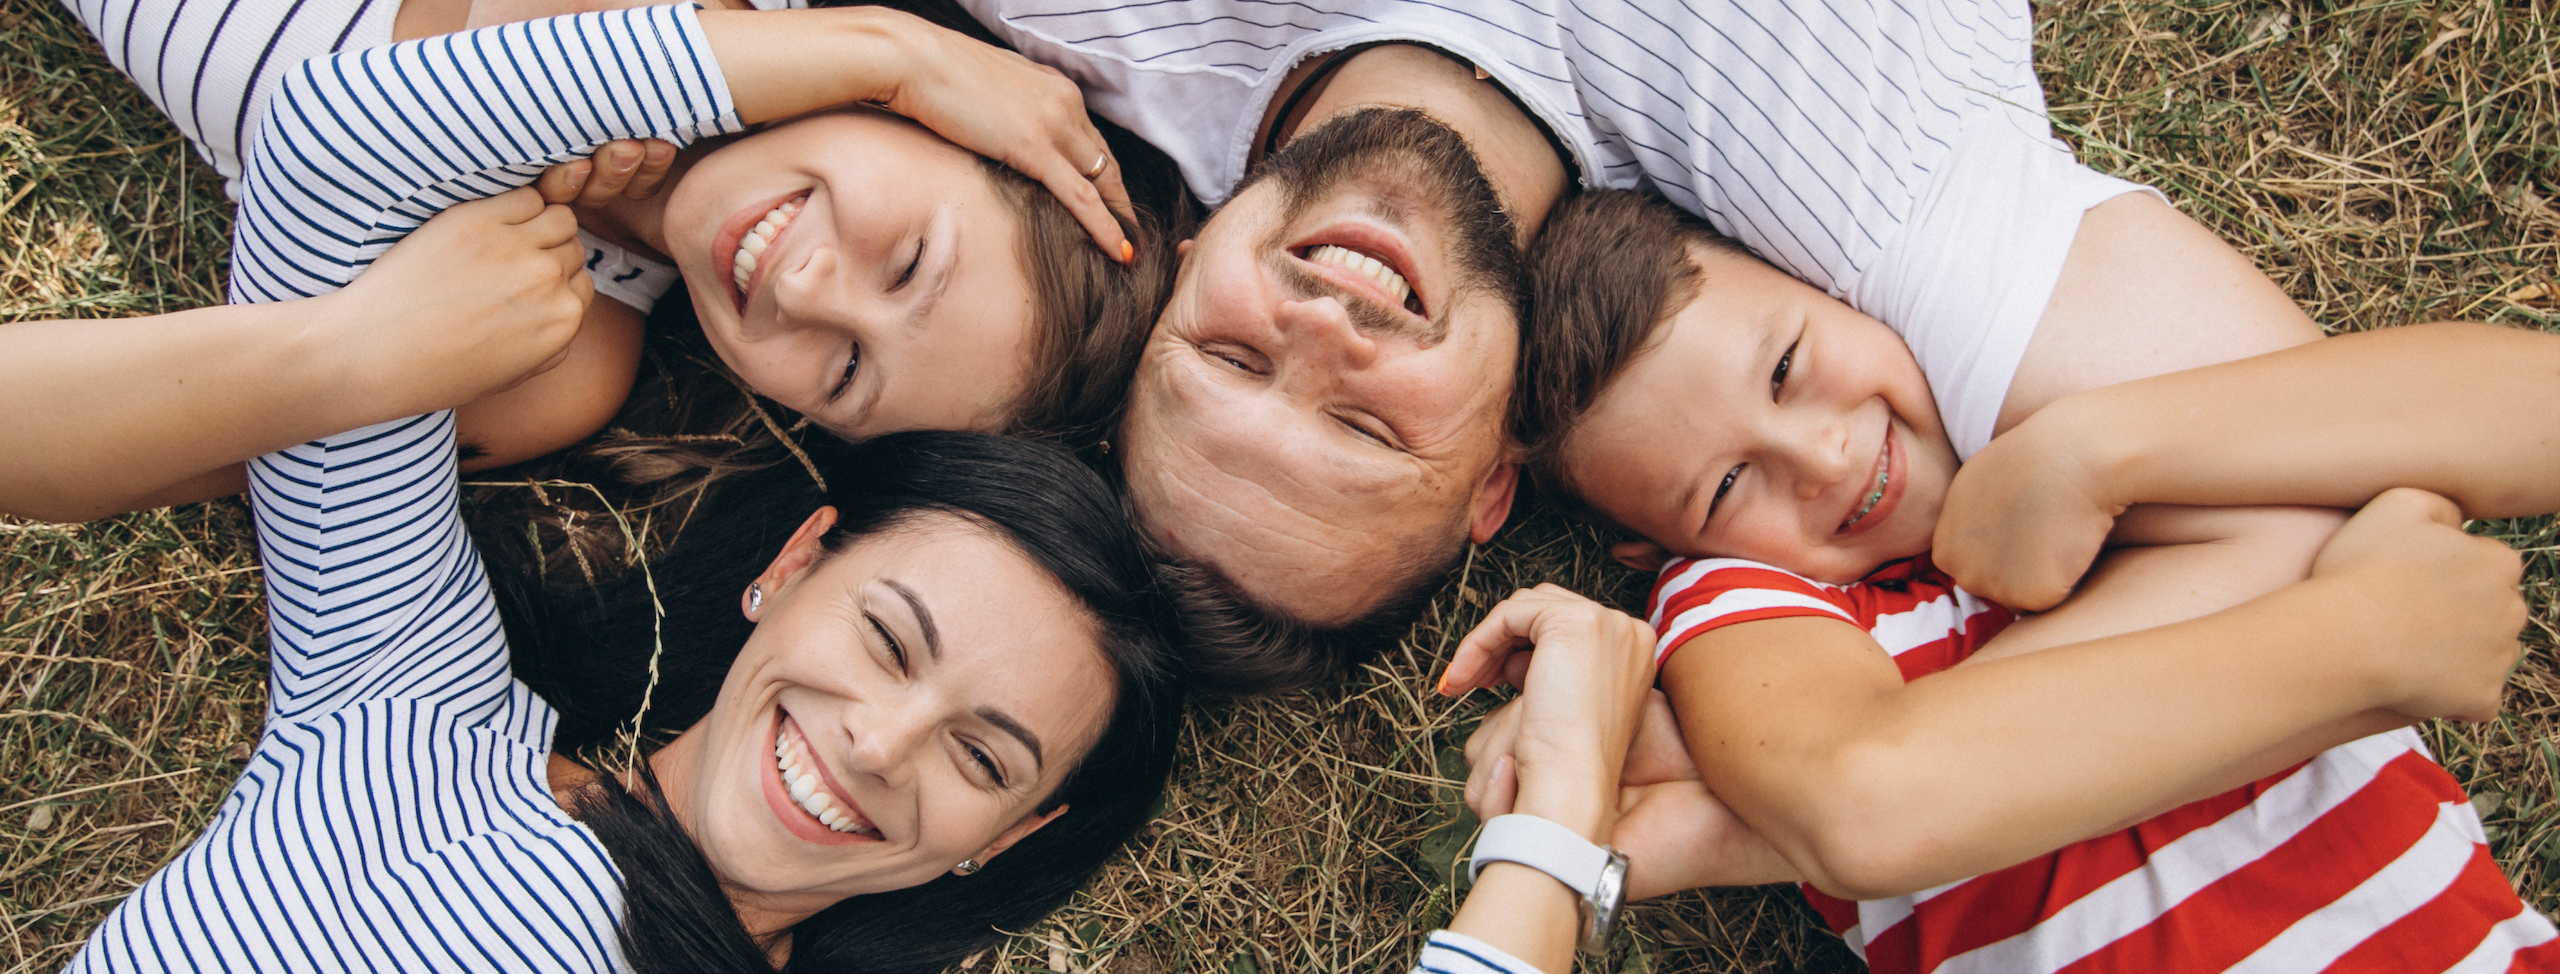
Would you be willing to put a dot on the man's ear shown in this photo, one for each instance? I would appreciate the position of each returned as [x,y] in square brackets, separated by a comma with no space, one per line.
[1020,830]
[1492,502]
[1643,556]
[806,546]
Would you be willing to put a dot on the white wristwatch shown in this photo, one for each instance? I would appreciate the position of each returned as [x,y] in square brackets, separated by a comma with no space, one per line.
[1598,872]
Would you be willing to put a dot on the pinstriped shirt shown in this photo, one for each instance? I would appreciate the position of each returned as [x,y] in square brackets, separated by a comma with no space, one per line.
[1806,129]
[396,815]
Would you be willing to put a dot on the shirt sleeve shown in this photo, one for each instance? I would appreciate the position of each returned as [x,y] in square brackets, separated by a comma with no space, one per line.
[373,588]
[1457,953]
[361,147]
[1696,596]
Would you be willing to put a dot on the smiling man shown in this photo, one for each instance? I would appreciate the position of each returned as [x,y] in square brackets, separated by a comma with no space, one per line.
[1318,425]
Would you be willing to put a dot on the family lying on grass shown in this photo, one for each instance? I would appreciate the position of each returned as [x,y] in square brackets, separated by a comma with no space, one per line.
[920,688]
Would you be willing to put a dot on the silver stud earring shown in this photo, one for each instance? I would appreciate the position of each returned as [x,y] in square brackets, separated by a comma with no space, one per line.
[967,867]
[755,596]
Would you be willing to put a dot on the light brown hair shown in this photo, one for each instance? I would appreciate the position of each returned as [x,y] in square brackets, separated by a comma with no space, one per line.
[1610,268]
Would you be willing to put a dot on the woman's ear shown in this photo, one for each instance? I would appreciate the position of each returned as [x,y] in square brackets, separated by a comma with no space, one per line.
[1019,831]
[807,545]
[1643,556]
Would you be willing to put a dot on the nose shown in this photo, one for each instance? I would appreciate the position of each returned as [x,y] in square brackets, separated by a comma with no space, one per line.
[1819,449]
[1320,330]
[887,738]
[799,288]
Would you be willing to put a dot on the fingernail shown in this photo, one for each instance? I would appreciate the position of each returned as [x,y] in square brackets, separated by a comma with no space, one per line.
[1128,251]
[577,178]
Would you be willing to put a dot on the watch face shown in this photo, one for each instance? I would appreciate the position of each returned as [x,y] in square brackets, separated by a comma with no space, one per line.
[1600,909]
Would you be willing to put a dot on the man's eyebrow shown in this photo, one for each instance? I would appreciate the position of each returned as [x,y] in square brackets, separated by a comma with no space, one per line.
[1005,722]
[924,617]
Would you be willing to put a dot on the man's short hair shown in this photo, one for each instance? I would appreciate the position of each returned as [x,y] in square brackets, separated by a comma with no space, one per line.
[1241,648]
[1608,270]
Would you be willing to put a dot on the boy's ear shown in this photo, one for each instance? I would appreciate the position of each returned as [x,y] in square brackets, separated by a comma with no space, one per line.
[1643,556]
[1491,504]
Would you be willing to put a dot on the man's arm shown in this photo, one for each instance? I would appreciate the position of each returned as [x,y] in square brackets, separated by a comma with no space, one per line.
[1875,787]
[100,416]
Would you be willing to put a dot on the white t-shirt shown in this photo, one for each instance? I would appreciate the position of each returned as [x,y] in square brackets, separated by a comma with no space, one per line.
[1823,134]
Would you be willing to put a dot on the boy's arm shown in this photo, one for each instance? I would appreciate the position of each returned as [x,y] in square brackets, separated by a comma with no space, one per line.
[2468,411]
[1873,787]
[101,416]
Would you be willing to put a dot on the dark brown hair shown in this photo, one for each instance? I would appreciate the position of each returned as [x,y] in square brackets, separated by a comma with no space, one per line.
[1610,268]
[1090,314]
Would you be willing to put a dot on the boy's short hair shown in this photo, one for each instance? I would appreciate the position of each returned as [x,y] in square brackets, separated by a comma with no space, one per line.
[1610,267]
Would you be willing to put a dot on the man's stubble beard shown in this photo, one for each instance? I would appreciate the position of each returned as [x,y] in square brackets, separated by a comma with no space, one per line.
[1353,144]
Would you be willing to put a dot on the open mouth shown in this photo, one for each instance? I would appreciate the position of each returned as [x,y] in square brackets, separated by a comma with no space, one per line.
[1366,260]
[1397,290]
[745,252]
[1880,486]
[809,793]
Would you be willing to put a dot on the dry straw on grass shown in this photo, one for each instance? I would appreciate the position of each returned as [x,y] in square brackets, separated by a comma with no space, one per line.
[2384,161]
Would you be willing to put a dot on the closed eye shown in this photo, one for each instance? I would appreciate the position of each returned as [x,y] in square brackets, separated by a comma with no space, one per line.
[909,272]
[1242,358]
[896,651]
[1364,432]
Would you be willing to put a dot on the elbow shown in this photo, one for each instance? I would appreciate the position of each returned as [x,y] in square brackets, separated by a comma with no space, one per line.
[1876,833]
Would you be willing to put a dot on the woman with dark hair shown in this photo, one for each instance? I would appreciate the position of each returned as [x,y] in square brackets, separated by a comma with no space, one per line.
[944,699]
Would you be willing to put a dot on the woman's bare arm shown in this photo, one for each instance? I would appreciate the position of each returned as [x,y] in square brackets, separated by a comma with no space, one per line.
[100,416]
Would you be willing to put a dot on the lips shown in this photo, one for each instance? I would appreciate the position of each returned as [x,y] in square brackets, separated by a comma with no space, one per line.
[1364,260]
[726,244]
[838,821]
[1884,486]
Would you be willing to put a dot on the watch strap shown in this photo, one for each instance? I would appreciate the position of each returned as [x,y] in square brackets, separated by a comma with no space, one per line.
[1541,845]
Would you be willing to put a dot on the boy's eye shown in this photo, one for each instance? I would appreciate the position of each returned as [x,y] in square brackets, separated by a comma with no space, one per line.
[1724,488]
[1778,378]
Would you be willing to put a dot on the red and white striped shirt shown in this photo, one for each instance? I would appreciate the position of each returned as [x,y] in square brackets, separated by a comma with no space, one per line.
[2365,858]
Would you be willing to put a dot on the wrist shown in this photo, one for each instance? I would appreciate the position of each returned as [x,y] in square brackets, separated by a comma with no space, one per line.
[783,63]
[1589,809]
[2096,451]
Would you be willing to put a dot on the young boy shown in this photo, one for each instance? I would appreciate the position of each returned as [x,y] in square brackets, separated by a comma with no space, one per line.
[1783,458]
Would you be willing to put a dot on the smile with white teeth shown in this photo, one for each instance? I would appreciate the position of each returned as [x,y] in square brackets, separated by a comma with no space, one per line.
[791,756]
[1363,264]
[760,236]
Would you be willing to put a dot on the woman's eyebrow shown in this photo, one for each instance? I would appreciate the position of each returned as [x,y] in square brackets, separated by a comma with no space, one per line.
[924,621]
[1005,722]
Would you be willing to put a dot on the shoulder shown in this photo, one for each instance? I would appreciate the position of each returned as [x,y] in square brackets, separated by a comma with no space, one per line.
[1695,596]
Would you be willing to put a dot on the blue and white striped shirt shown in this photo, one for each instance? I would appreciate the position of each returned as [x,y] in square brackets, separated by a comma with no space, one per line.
[1805,129]
[396,814]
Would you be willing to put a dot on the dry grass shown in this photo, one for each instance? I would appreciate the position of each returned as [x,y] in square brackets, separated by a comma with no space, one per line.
[2385,161]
